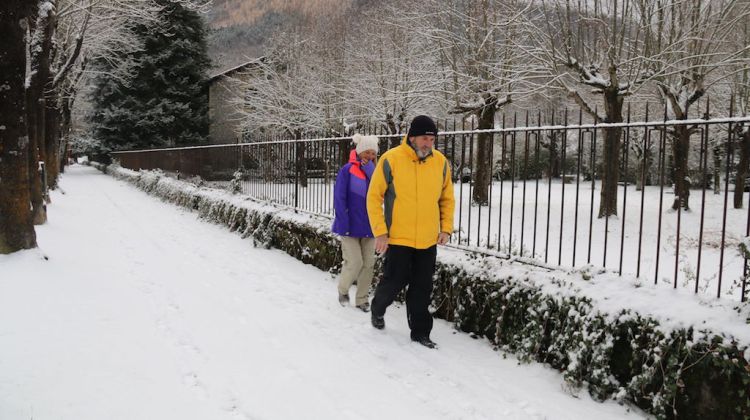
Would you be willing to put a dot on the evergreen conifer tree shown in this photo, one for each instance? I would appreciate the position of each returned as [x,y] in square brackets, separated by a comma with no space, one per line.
[156,95]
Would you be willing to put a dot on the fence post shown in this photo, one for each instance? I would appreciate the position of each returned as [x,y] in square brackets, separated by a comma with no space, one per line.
[296,174]
[730,158]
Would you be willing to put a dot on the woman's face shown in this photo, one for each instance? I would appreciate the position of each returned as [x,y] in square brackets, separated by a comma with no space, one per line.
[367,156]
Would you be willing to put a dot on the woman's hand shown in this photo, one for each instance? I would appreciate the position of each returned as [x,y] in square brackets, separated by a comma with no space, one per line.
[381,244]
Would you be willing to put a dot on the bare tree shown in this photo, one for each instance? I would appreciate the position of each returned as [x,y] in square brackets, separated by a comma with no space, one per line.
[392,69]
[477,45]
[52,39]
[70,25]
[598,49]
[16,228]
[41,29]
[740,86]
[280,93]
[57,34]
[643,153]
[694,38]
[284,93]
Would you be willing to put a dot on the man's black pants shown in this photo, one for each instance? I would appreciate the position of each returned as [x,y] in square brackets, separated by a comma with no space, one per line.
[406,266]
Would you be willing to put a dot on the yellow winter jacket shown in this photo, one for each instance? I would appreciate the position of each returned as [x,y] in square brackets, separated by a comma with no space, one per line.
[411,199]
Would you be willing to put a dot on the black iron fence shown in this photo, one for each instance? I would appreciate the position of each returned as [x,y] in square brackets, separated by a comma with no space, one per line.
[669,203]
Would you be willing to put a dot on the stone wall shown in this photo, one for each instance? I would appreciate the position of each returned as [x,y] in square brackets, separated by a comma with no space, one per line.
[224,119]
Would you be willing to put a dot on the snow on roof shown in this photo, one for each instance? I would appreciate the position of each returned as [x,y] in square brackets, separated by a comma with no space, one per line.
[229,71]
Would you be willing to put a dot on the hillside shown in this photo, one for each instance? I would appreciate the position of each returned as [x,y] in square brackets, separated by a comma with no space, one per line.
[226,13]
[239,29]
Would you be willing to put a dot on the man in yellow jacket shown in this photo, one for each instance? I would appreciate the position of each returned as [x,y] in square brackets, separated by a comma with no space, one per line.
[410,205]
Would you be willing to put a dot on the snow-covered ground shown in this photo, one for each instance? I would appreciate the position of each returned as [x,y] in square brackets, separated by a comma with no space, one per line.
[135,309]
[553,241]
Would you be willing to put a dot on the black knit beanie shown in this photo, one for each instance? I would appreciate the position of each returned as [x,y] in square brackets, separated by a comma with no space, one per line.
[422,125]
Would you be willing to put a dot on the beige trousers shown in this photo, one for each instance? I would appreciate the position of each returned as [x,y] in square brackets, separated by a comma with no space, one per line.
[359,260]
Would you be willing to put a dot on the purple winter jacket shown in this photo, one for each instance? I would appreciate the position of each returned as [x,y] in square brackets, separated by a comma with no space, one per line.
[350,199]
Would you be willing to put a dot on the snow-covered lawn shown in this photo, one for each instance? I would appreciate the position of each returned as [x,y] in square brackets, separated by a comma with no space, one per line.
[554,241]
[134,309]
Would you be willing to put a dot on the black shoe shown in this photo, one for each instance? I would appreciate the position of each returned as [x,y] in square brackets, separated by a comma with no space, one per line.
[425,341]
[365,307]
[344,300]
[377,321]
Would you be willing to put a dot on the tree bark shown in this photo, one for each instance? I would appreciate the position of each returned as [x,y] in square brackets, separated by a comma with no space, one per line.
[301,160]
[739,183]
[394,127]
[65,127]
[16,228]
[483,165]
[554,156]
[644,168]
[343,151]
[35,132]
[718,150]
[52,141]
[611,157]
[40,46]
[51,109]
[390,122]
[680,152]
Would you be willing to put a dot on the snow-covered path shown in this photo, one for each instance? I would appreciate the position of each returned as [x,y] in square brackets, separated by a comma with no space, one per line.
[142,311]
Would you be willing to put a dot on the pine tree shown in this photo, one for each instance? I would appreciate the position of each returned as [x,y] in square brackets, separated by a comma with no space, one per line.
[156,96]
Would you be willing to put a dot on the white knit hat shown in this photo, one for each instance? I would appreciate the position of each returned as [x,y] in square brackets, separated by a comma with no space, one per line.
[365,143]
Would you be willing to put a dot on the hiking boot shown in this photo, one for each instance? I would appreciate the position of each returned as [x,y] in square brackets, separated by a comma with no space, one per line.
[365,307]
[344,300]
[377,321]
[425,341]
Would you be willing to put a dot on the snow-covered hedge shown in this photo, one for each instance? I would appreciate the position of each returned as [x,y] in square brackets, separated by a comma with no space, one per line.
[622,354]
[692,366]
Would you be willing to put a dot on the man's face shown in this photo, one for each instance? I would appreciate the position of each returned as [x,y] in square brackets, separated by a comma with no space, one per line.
[423,145]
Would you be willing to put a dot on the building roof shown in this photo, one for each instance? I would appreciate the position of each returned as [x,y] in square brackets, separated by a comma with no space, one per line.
[234,69]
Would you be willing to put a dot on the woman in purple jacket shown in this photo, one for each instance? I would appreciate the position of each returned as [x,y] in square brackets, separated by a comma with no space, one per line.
[351,222]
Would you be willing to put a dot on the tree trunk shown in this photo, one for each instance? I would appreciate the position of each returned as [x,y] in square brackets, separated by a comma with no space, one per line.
[16,227]
[65,127]
[644,174]
[611,157]
[718,151]
[554,156]
[739,183]
[641,180]
[266,163]
[644,168]
[41,30]
[392,129]
[35,132]
[344,149]
[51,113]
[301,160]
[52,141]
[680,153]
[483,164]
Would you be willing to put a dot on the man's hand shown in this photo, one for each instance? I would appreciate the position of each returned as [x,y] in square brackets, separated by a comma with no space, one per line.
[381,244]
[443,238]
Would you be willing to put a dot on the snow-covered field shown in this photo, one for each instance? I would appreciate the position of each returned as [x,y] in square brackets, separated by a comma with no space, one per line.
[134,309]
[479,228]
